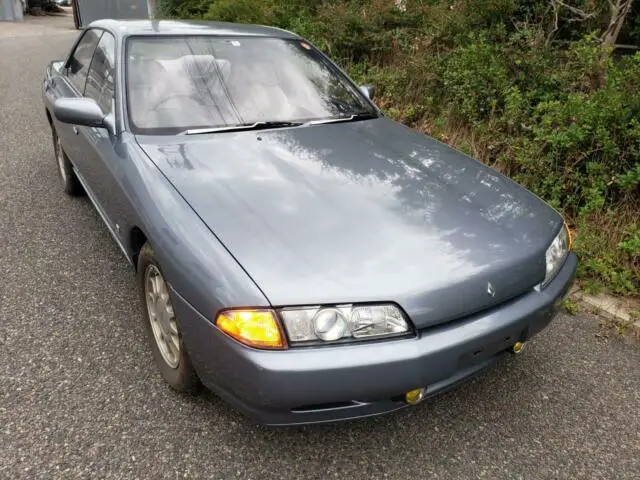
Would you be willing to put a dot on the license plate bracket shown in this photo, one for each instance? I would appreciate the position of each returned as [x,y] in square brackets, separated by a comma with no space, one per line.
[494,347]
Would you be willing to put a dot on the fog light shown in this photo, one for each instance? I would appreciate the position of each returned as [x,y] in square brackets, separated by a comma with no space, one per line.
[517,347]
[414,397]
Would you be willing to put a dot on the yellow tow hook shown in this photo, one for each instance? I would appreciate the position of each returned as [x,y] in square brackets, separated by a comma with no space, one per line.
[414,397]
[518,347]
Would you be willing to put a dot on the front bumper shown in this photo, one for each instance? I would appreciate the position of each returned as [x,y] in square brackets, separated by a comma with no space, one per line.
[323,384]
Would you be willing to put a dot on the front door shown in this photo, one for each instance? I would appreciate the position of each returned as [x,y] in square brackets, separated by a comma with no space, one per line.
[71,84]
[99,162]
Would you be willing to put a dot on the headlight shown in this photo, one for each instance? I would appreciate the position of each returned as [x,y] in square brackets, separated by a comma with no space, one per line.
[556,254]
[330,324]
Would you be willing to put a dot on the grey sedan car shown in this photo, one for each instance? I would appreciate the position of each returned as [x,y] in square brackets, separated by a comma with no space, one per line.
[297,252]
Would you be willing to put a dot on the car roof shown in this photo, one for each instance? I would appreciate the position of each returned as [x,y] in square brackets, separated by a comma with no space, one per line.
[125,28]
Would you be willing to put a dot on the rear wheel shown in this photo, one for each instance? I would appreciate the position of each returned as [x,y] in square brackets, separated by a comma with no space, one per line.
[70,183]
[161,324]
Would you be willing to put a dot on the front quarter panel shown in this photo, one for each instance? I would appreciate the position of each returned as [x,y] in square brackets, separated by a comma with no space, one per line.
[195,263]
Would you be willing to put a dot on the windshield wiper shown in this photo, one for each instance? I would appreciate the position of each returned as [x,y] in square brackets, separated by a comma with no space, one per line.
[241,127]
[350,118]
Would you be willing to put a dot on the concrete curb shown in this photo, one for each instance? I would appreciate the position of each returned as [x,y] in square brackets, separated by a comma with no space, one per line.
[618,312]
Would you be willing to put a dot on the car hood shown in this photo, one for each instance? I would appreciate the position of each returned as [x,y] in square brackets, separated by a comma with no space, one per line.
[361,212]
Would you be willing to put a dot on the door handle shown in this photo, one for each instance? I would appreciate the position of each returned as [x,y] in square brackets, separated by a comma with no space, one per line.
[75,130]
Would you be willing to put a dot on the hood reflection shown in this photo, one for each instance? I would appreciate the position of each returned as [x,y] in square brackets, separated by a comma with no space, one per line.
[361,211]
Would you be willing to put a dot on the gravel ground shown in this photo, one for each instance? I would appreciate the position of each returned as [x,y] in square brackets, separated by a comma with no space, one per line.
[80,396]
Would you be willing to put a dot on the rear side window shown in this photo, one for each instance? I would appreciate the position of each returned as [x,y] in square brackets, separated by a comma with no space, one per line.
[100,79]
[78,64]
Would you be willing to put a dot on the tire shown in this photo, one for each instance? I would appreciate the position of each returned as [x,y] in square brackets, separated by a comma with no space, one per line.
[70,183]
[170,355]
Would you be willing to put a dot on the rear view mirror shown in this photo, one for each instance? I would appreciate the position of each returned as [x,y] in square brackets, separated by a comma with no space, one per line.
[368,90]
[79,111]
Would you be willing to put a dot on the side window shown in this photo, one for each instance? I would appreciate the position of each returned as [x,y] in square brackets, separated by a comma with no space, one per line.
[78,64]
[100,79]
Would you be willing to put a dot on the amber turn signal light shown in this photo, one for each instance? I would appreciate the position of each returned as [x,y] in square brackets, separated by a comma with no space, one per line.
[256,328]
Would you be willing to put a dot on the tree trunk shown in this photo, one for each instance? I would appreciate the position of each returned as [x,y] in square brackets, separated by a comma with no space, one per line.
[152,8]
[619,10]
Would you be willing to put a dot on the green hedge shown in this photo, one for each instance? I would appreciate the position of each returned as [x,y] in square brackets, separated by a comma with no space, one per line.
[562,118]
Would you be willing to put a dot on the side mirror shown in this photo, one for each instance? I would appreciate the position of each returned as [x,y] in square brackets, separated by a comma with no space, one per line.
[79,111]
[368,90]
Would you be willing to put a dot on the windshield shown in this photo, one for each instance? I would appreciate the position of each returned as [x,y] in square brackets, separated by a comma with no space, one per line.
[175,84]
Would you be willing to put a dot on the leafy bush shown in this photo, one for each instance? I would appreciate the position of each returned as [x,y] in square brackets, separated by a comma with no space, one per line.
[183,8]
[540,101]
[475,80]
[609,247]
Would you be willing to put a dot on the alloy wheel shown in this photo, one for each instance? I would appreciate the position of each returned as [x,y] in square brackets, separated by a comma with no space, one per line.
[161,316]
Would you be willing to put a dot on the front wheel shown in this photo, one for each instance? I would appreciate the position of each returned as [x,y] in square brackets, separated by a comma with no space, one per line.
[161,325]
[70,183]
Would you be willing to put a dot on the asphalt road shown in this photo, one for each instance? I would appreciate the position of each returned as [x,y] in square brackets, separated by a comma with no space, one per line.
[80,397]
